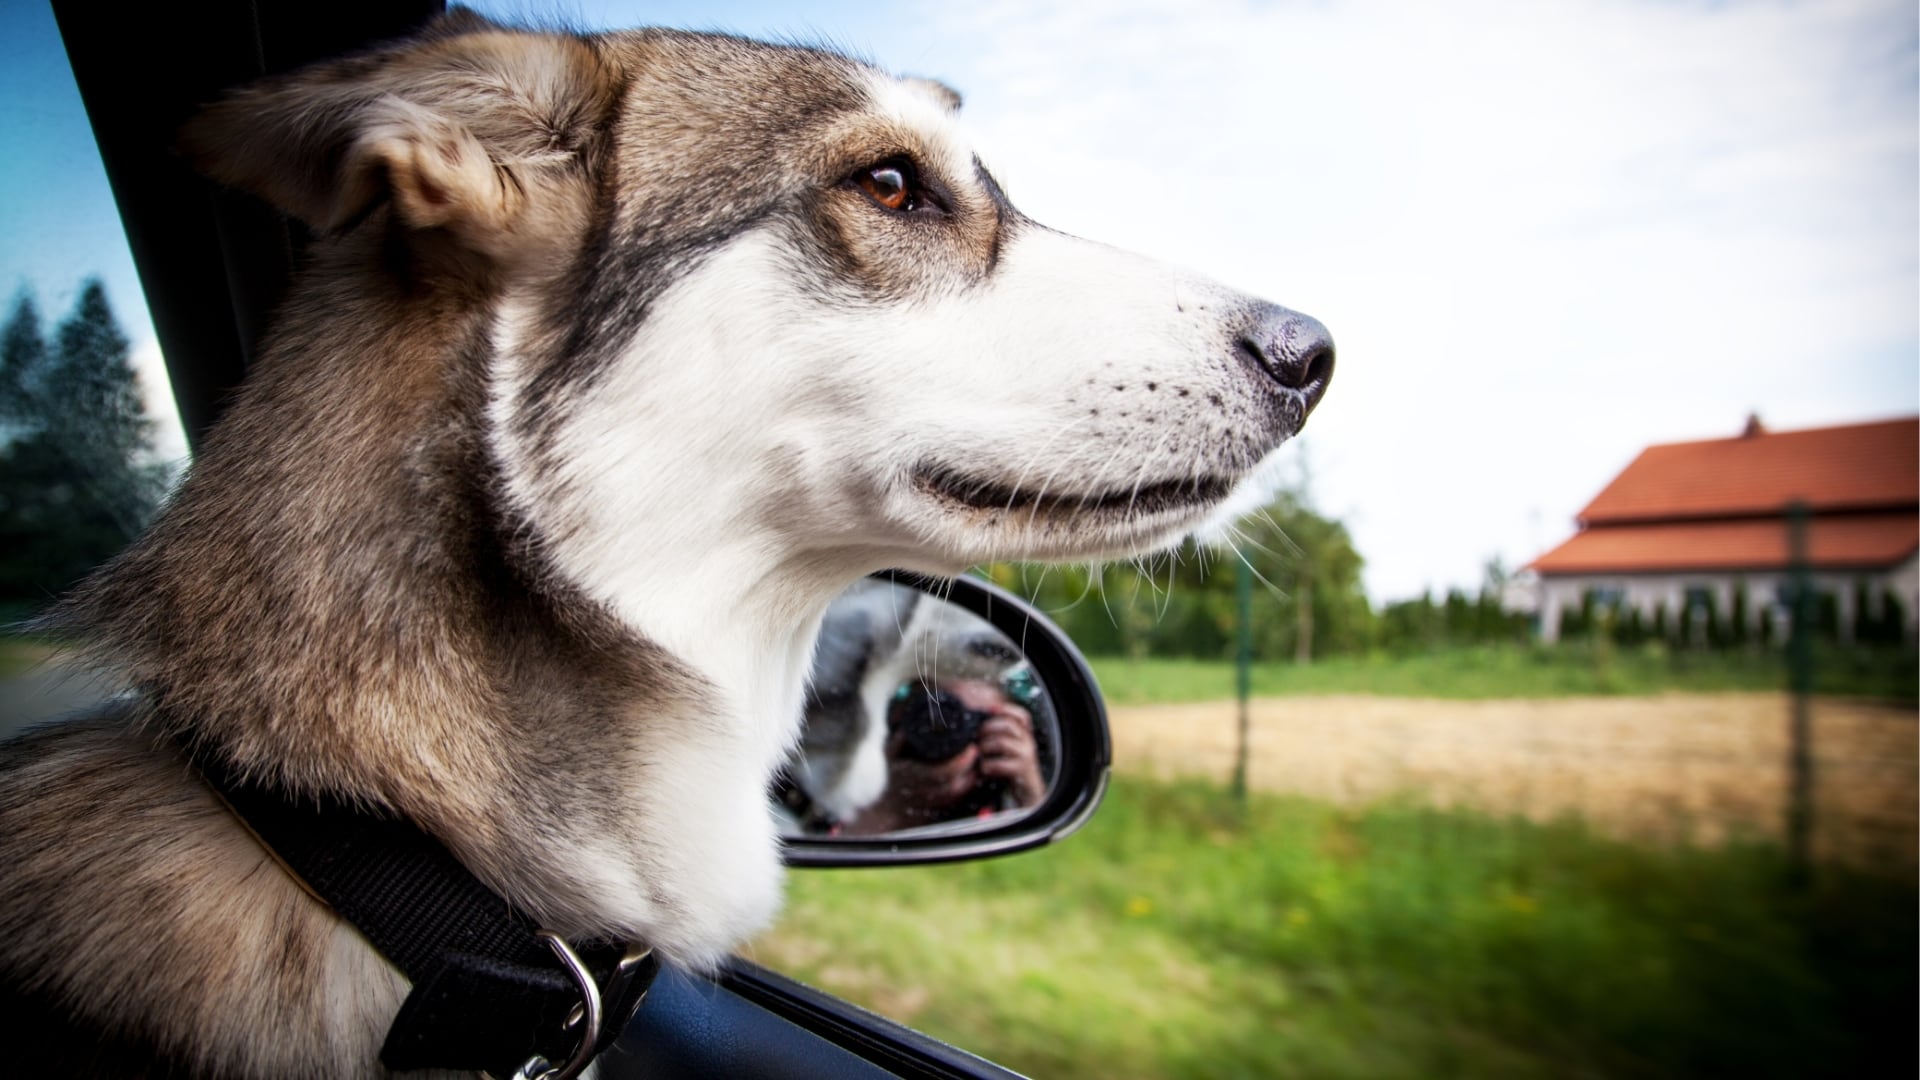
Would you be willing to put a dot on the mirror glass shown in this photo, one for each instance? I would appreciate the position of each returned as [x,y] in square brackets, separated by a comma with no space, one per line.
[921,719]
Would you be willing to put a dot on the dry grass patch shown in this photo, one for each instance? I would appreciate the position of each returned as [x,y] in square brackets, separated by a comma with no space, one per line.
[1700,768]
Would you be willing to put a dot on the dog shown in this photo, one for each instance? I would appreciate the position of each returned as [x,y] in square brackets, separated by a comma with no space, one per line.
[616,357]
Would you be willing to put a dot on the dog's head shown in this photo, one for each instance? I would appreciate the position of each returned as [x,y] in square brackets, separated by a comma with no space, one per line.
[748,290]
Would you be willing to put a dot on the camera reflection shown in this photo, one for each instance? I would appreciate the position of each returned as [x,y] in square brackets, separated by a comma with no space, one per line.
[919,715]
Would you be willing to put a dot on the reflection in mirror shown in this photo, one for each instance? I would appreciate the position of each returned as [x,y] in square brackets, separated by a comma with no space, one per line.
[921,717]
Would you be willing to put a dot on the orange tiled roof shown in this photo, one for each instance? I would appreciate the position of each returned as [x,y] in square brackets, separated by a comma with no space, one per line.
[1850,541]
[1859,466]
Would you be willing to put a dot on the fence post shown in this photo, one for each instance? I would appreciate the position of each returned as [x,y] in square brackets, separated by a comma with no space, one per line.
[1806,612]
[1243,668]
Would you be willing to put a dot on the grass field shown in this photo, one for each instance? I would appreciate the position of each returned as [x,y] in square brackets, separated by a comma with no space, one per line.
[1176,937]
[1511,671]
[1668,768]
[18,654]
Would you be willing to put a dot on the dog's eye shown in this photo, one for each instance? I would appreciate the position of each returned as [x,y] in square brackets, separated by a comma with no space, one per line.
[890,184]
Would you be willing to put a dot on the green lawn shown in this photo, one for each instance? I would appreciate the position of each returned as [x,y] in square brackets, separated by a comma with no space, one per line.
[1510,671]
[1175,938]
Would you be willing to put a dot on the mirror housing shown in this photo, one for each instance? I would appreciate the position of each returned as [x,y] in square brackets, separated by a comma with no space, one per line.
[1084,753]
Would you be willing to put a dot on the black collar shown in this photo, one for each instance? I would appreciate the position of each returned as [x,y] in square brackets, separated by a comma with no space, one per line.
[491,991]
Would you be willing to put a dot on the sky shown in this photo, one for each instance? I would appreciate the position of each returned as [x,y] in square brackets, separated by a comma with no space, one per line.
[1544,234]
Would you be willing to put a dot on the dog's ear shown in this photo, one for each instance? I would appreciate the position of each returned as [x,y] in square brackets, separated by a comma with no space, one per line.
[947,96]
[464,128]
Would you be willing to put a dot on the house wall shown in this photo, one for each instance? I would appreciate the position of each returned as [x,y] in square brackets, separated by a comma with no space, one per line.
[1649,593]
[1904,582]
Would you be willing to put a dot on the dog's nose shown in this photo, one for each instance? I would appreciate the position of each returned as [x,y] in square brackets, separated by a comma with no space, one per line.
[1292,349]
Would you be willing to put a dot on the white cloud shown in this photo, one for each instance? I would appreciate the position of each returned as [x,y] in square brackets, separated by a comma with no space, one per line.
[1543,235]
[150,368]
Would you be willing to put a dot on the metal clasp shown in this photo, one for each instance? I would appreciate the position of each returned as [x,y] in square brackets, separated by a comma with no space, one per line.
[538,1067]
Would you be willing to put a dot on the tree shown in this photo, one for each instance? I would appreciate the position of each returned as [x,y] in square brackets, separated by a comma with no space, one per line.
[75,480]
[23,356]
[1309,600]
[1317,604]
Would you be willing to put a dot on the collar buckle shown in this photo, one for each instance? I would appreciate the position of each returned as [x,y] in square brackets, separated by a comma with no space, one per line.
[538,1067]
[626,988]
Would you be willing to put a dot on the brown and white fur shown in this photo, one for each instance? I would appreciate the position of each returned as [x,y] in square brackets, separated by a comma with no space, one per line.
[608,371]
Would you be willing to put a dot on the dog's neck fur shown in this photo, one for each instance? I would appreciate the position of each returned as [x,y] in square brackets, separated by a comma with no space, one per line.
[362,645]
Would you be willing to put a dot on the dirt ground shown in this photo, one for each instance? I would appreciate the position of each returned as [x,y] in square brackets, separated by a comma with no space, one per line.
[1696,767]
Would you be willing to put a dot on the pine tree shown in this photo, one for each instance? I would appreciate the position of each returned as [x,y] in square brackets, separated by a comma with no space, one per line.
[23,495]
[23,357]
[74,483]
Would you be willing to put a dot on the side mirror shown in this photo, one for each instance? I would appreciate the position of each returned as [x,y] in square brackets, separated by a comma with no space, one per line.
[945,720]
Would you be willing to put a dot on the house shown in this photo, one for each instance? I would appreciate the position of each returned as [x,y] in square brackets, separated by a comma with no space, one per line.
[1696,531]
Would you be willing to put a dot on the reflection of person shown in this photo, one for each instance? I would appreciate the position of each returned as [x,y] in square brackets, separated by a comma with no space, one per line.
[885,649]
[997,769]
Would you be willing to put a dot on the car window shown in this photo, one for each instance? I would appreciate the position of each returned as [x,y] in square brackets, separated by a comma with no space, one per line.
[89,437]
